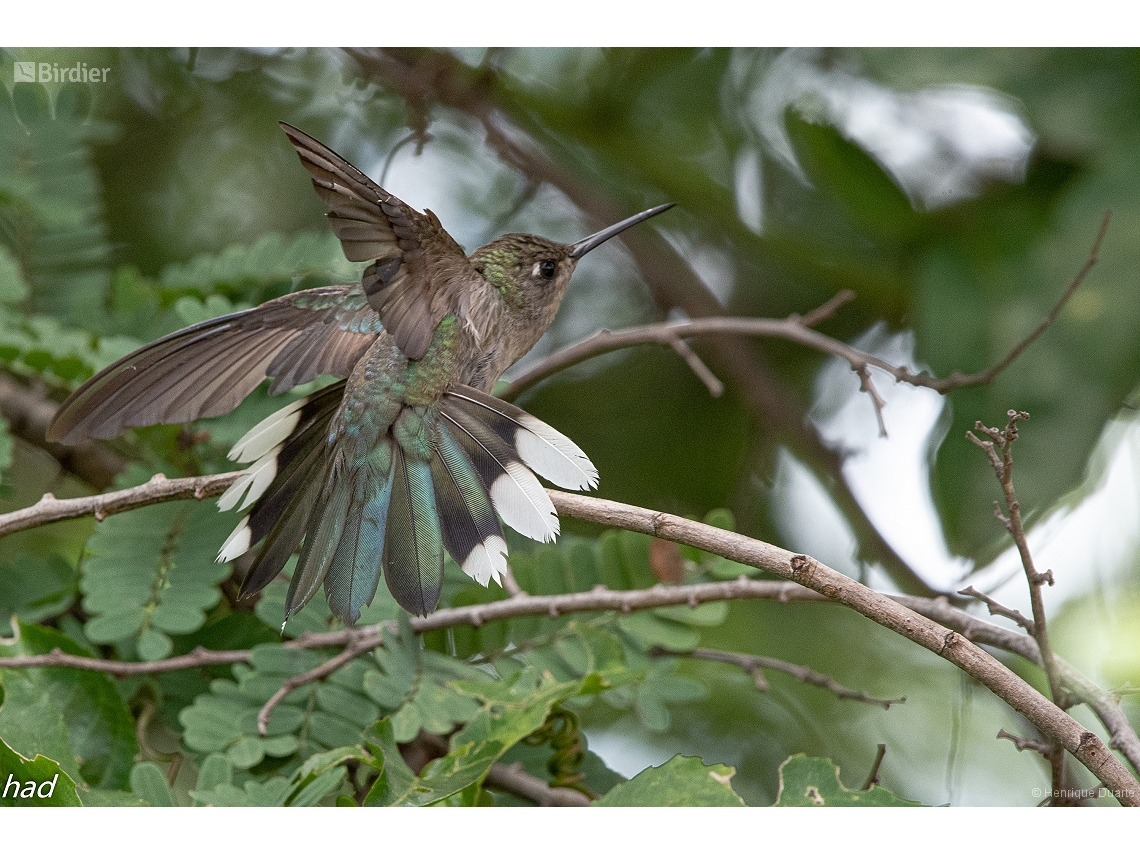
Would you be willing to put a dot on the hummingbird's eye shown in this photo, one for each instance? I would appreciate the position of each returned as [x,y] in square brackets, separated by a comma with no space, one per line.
[547,268]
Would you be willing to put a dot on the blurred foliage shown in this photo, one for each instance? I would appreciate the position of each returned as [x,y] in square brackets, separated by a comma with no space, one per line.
[956,192]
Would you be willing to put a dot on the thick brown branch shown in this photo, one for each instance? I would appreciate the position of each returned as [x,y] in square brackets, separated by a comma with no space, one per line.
[1022,697]
[798,570]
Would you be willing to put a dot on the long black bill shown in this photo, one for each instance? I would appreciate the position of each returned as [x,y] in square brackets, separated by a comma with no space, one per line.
[598,238]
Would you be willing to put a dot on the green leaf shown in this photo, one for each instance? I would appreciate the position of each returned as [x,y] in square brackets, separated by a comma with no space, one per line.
[315,790]
[149,784]
[814,782]
[414,685]
[310,720]
[215,771]
[680,782]
[154,645]
[272,259]
[74,715]
[13,288]
[270,793]
[511,709]
[647,630]
[35,588]
[151,573]
[34,782]
[396,779]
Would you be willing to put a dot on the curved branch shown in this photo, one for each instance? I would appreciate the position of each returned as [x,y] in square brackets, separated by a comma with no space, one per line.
[802,570]
[950,645]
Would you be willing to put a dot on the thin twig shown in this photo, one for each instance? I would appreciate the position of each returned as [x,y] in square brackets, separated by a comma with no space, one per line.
[821,313]
[1103,702]
[200,657]
[873,775]
[682,349]
[999,450]
[1023,744]
[988,375]
[350,652]
[512,778]
[998,609]
[510,583]
[754,665]
[866,384]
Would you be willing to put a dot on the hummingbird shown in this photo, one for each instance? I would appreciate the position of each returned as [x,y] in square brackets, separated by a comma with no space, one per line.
[408,455]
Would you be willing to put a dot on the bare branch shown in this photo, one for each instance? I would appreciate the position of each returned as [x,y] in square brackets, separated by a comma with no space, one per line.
[1103,702]
[793,328]
[958,380]
[873,775]
[1002,440]
[754,665]
[510,583]
[198,658]
[351,651]
[1023,744]
[998,609]
[515,779]
[1023,698]
[157,489]
[822,313]
[866,384]
[712,383]
[800,569]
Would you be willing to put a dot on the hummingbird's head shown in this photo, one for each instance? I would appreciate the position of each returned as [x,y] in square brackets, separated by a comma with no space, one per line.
[531,273]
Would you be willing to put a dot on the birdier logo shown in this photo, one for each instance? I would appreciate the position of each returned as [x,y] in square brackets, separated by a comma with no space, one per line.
[53,72]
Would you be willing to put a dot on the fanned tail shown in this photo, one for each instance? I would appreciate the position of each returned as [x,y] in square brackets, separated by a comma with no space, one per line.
[438,479]
[291,459]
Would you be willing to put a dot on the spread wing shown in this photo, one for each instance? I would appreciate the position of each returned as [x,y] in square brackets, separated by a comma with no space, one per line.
[417,267]
[209,368]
